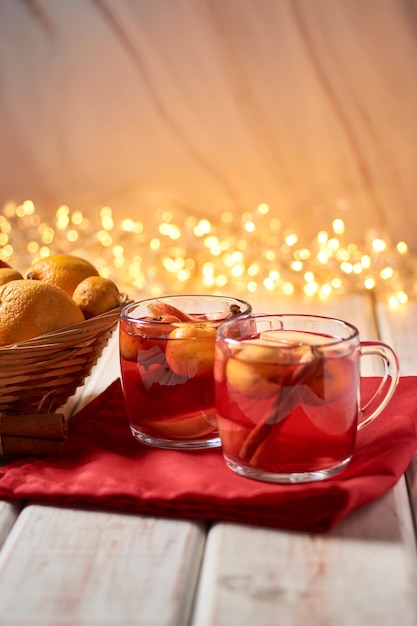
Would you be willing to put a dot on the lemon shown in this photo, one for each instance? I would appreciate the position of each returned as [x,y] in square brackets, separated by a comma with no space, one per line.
[95,295]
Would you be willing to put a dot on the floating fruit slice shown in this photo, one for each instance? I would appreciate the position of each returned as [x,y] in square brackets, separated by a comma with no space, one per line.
[190,350]
[161,309]
[295,338]
[330,382]
[255,380]
[188,427]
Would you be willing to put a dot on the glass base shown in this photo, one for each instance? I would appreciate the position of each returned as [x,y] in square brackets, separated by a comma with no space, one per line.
[293,478]
[175,444]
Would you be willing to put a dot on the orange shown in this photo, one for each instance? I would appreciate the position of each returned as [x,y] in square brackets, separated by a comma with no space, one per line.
[7,274]
[95,295]
[62,270]
[29,308]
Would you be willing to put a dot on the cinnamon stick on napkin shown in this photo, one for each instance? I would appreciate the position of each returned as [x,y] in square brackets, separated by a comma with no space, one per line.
[34,434]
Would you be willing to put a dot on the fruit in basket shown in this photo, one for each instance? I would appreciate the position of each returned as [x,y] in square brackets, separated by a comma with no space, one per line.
[62,270]
[95,295]
[29,308]
[7,274]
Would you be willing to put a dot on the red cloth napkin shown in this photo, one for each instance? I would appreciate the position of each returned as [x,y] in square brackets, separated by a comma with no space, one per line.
[103,466]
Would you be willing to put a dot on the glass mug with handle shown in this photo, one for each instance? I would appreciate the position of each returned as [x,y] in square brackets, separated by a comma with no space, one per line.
[287,391]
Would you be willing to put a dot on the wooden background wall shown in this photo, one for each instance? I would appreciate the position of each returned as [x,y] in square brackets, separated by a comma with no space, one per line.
[212,105]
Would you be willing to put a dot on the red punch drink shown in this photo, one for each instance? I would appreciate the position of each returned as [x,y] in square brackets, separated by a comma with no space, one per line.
[166,358]
[287,396]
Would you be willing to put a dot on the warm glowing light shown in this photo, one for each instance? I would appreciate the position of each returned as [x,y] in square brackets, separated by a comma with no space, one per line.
[72,236]
[291,239]
[288,288]
[202,228]
[323,257]
[105,238]
[169,230]
[77,218]
[346,267]
[322,236]
[304,254]
[33,248]
[263,208]
[245,253]
[338,226]
[310,289]
[366,261]
[118,251]
[386,273]
[253,269]
[393,302]
[369,283]
[325,291]
[333,244]
[379,245]
[62,221]
[402,297]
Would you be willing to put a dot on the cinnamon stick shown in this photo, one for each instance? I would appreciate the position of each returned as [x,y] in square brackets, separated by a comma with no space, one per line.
[30,446]
[33,434]
[36,425]
[284,403]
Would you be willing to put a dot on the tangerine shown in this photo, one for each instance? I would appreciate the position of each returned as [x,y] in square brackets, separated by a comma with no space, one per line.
[30,308]
[62,270]
[7,274]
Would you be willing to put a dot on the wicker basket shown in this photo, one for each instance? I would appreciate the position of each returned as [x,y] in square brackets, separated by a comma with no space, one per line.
[39,375]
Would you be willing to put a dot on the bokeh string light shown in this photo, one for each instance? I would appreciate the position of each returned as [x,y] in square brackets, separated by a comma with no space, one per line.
[236,254]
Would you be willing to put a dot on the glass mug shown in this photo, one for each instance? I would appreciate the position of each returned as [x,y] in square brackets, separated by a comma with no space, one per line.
[287,391]
[166,359]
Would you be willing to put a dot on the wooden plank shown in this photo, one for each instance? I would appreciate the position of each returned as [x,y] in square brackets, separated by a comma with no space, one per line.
[61,567]
[398,327]
[77,568]
[8,515]
[363,572]
[289,103]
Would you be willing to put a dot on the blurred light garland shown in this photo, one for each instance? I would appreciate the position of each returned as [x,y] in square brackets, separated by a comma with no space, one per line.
[237,254]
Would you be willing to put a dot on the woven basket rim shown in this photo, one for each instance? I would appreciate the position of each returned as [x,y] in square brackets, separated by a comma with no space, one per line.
[57,337]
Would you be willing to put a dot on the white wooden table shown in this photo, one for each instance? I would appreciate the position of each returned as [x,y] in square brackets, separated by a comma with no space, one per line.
[62,566]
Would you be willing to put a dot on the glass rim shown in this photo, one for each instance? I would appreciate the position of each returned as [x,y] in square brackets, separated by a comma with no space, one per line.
[124,313]
[354,332]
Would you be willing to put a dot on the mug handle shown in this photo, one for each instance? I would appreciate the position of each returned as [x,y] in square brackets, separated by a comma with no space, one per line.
[387,384]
